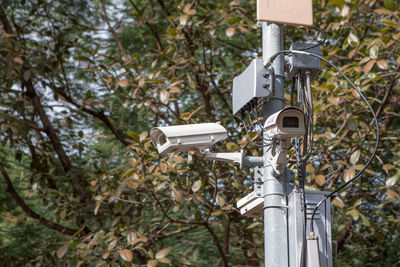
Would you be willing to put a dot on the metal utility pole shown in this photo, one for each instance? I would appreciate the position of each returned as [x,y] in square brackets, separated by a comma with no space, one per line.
[274,186]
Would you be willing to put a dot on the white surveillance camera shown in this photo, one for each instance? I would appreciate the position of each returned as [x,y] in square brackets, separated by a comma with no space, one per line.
[183,138]
[286,123]
[281,126]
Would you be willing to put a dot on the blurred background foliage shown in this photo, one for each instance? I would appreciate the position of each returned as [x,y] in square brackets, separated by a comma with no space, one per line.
[82,82]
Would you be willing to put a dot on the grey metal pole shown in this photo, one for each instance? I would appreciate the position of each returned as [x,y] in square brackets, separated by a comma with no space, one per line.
[274,187]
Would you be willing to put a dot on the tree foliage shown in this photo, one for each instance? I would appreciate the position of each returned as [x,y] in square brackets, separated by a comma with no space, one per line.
[82,82]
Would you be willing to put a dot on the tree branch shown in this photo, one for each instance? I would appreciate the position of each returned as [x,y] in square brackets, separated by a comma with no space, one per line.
[48,127]
[97,114]
[153,31]
[216,241]
[121,49]
[177,231]
[31,213]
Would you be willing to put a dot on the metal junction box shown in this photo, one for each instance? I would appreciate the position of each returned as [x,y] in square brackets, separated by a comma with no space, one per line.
[322,226]
[248,86]
[299,63]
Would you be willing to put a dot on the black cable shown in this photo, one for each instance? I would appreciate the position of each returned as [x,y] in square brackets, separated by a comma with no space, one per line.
[301,176]
[271,60]
[292,92]
[248,135]
[320,43]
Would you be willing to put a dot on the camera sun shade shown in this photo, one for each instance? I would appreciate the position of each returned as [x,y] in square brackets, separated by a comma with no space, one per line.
[183,138]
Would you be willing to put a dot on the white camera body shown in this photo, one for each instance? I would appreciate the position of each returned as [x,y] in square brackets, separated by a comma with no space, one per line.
[282,126]
[286,123]
[183,138]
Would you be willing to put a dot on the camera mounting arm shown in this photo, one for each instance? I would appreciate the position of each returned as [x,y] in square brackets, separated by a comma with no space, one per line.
[278,157]
[233,157]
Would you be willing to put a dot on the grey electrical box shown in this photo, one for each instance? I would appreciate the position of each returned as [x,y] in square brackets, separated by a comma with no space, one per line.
[249,86]
[300,63]
[322,226]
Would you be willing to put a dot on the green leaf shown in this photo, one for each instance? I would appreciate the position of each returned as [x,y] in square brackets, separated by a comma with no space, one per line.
[365,220]
[254,224]
[358,202]
[354,213]
[135,136]
[391,5]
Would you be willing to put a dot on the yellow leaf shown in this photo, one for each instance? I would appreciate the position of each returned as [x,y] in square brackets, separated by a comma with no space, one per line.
[387,167]
[160,186]
[310,168]
[337,202]
[349,174]
[178,159]
[373,52]
[352,39]
[142,136]
[195,111]
[187,7]
[191,12]
[177,194]
[126,255]
[123,83]
[164,96]
[137,240]
[175,89]
[369,66]
[355,156]
[165,260]
[105,255]
[196,186]
[334,100]
[163,167]
[18,60]
[184,261]
[152,263]
[108,80]
[243,29]
[230,32]
[185,116]
[162,253]
[254,224]
[382,11]
[382,64]
[392,194]
[62,251]
[141,82]
[133,184]
[320,179]
[183,20]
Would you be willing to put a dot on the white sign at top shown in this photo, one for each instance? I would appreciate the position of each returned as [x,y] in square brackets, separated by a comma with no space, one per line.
[296,12]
